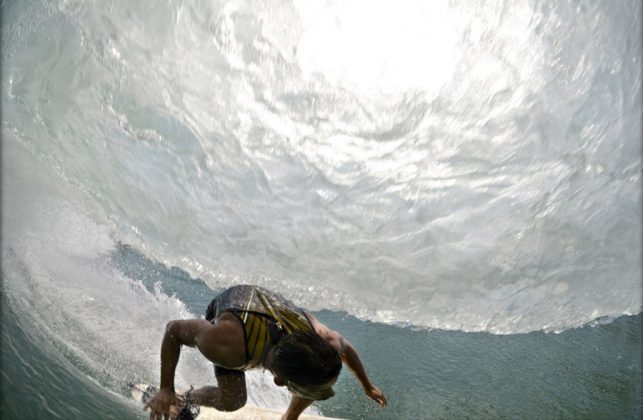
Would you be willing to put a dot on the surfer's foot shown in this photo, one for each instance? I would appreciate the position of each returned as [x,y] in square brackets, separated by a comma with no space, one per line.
[187,410]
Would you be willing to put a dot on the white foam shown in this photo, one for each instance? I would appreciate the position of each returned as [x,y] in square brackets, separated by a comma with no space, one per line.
[505,198]
[58,279]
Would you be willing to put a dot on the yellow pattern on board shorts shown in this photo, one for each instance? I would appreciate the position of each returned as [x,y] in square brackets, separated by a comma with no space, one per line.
[265,316]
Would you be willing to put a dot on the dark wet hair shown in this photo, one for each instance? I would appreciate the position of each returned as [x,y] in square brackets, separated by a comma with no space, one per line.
[306,359]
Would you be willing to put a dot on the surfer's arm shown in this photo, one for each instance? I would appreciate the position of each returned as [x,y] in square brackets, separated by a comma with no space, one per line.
[177,333]
[350,358]
[221,343]
[161,403]
[296,407]
[170,352]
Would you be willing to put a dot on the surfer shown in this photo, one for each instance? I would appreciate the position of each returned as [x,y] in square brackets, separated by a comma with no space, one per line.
[249,327]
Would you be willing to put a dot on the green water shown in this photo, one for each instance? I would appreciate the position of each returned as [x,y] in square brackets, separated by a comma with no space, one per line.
[592,372]
[39,383]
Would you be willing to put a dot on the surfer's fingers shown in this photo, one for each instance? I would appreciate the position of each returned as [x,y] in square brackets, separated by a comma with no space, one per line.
[377,395]
[381,399]
[145,407]
[155,414]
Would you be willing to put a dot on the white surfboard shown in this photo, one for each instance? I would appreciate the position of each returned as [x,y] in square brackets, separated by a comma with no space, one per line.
[143,393]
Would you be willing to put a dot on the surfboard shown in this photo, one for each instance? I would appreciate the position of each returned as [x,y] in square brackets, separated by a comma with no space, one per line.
[144,392]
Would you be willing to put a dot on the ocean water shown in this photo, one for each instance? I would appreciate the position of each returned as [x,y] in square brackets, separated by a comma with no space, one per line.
[455,187]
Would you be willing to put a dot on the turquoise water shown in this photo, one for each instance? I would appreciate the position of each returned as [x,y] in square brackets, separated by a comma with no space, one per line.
[455,187]
[589,372]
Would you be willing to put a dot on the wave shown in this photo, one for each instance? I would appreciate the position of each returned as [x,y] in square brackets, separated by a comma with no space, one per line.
[499,193]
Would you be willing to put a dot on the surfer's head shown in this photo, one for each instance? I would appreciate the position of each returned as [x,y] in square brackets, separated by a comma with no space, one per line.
[306,364]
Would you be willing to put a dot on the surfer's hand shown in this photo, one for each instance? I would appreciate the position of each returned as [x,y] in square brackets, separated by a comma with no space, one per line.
[376,395]
[161,403]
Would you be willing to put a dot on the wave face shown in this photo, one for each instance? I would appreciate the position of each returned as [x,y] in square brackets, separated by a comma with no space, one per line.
[434,164]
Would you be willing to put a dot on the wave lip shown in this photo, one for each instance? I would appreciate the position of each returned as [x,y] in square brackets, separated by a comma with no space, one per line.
[506,199]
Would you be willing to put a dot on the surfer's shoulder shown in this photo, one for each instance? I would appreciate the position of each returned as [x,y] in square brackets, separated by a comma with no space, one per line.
[333,338]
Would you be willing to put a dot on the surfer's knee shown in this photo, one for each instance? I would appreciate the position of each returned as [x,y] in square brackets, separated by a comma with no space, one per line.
[232,390]
[233,403]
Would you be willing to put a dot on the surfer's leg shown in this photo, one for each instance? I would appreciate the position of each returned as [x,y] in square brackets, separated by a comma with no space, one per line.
[229,395]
